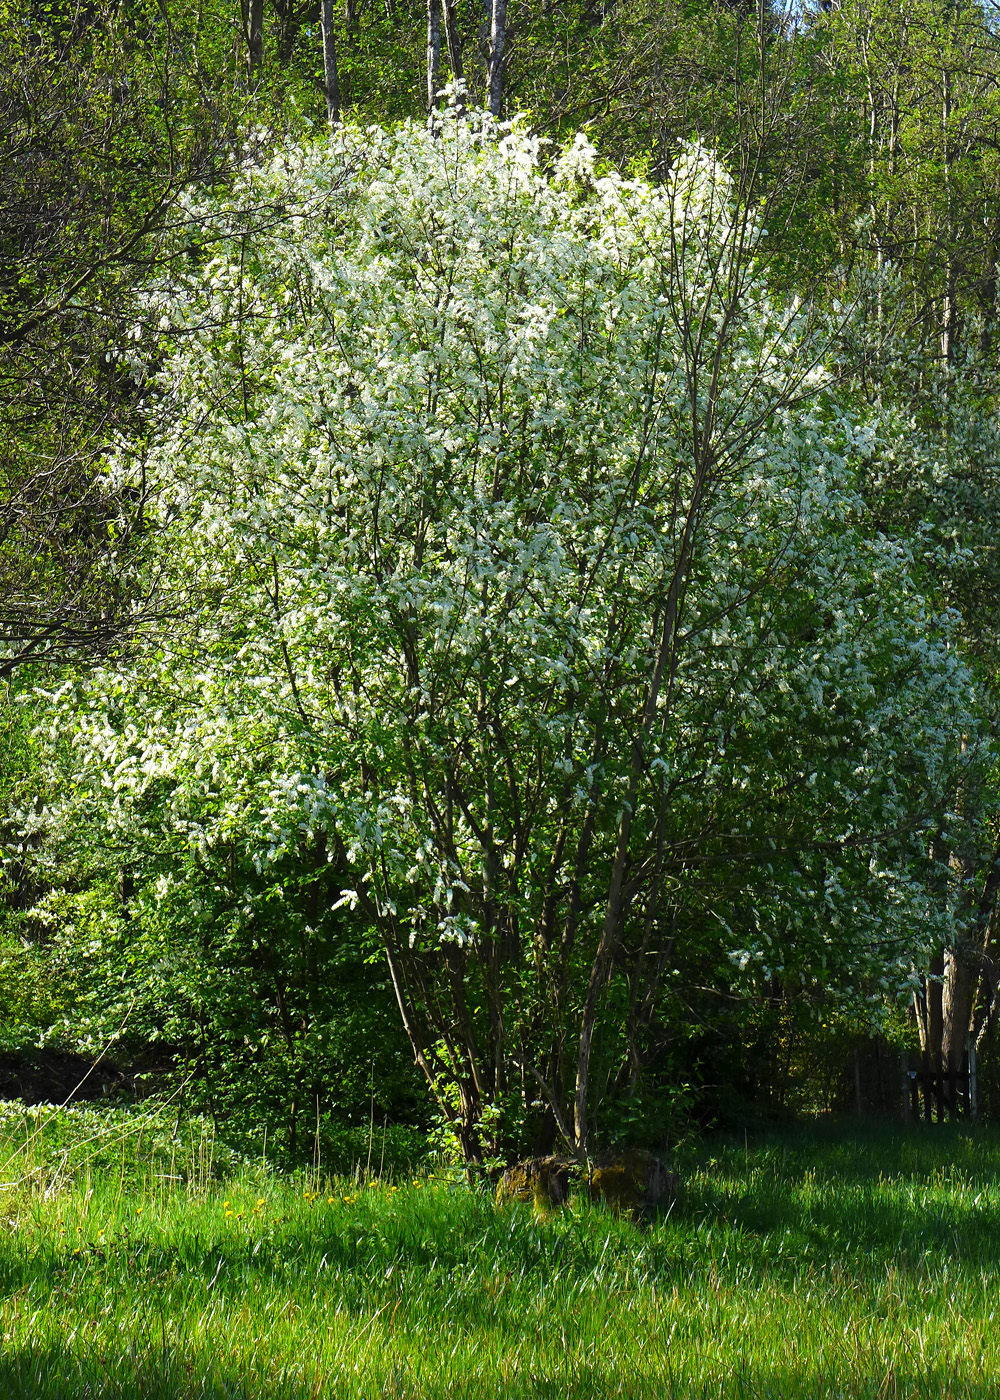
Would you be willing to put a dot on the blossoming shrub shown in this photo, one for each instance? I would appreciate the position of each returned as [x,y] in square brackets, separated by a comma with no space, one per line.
[518,556]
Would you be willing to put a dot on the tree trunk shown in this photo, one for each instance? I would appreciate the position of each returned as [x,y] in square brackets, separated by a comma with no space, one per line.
[935,1005]
[331,77]
[961,979]
[433,52]
[287,30]
[951,991]
[454,42]
[497,56]
[253,33]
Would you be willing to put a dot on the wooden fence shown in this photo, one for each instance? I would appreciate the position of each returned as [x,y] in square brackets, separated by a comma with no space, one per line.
[935,1094]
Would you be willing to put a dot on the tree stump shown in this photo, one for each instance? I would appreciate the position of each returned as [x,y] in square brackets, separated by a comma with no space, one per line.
[540,1181]
[633,1180]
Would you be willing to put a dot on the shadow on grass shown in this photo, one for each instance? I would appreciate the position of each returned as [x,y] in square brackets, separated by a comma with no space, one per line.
[181,1374]
[895,1195]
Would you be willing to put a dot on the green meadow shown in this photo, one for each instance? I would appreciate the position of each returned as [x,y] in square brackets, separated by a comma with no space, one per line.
[820,1263]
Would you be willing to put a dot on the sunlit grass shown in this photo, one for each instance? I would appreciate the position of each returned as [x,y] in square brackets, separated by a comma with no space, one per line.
[811,1265]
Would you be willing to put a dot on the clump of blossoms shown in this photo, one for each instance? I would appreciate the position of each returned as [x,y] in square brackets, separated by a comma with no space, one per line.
[522,561]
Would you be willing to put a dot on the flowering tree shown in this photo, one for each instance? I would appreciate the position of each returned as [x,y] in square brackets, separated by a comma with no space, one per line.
[524,563]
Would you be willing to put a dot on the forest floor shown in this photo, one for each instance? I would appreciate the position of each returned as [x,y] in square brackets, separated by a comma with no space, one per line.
[828,1262]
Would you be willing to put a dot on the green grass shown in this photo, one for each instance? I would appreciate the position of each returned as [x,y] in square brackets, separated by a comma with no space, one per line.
[816,1264]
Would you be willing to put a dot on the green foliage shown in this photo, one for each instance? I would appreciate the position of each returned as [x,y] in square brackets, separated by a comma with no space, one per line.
[234,997]
[106,114]
[30,996]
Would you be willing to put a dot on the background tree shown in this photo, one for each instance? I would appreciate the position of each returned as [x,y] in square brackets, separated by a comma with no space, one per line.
[106,118]
[920,86]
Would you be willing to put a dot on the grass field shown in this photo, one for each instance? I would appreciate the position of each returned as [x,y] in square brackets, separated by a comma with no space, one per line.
[826,1263]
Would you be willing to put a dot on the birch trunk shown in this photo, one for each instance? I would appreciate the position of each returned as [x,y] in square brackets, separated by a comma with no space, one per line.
[433,53]
[497,56]
[953,988]
[331,77]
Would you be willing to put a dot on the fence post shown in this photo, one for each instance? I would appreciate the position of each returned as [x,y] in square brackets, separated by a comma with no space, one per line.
[973,1086]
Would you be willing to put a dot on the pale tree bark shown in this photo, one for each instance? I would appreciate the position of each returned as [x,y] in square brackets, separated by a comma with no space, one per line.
[959,995]
[971,971]
[331,77]
[961,980]
[948,306]
[433,53]
[497,57]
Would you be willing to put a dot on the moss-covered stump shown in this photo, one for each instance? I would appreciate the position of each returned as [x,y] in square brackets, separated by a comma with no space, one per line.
[540,1181]
[633,1180]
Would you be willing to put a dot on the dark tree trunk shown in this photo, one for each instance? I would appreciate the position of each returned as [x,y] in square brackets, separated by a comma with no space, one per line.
[454,42]
[253,33]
